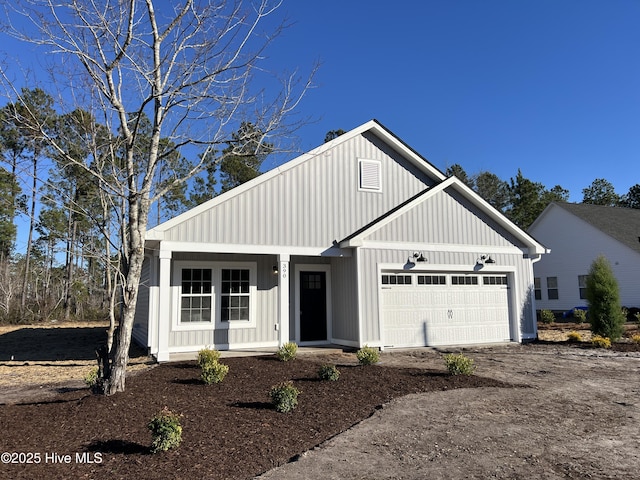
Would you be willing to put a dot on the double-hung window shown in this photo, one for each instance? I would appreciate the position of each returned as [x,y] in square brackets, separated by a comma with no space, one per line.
[234,295]
[537,288]
[552,288]
[582,286]
[195,299]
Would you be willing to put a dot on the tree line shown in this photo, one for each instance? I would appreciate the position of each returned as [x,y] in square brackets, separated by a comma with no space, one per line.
[69,266]
[522,200]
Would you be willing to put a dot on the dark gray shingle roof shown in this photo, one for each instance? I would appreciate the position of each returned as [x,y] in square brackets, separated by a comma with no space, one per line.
[623,224]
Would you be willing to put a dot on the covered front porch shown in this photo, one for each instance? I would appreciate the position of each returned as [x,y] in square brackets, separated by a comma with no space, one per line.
[247,300]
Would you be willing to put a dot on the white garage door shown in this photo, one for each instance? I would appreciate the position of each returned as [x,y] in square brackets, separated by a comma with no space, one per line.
[421,309]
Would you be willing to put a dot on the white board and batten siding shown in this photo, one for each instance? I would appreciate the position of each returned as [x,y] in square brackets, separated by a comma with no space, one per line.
[452,234]
[304,204]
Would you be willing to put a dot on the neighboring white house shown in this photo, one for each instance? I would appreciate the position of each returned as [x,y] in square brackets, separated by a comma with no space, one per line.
[576,235]
[359,241]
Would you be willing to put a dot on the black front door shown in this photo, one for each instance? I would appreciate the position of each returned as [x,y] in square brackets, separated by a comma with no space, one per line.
[313,306]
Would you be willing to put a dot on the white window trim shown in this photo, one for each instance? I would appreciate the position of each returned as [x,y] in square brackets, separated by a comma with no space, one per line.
[378,166]
[216,290]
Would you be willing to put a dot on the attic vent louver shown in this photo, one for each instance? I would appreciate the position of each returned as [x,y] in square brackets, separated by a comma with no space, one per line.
[370,175]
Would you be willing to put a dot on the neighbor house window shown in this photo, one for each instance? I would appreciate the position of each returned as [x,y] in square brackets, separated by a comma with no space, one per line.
[537,289]
[552,288]
[234,295]
[370,175]
[582,286]
[195,298]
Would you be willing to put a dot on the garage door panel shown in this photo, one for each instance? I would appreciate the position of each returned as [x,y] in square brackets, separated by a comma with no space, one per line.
[419,315]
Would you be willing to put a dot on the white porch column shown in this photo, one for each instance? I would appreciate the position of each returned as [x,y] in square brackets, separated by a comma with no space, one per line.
[164,307]
[283,297]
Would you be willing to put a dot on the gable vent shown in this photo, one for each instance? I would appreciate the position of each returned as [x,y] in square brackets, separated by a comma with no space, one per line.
[370,175]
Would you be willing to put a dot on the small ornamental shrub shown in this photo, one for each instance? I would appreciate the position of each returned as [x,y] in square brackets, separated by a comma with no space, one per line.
[91,378]
[287,352]
[637,315]
[600,342]
[165,430]
[574,337]
[547,316]
[284,397]
[368,355]
[603,299]
[636,339]
[329,372]
[459,364]
[207,356]
[214,372]
[580,316]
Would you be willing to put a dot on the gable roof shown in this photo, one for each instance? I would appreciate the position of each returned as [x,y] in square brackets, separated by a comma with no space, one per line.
[372,126]
[621,224]
[535,247]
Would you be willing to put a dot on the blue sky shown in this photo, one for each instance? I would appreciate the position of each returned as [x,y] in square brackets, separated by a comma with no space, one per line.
[550,87]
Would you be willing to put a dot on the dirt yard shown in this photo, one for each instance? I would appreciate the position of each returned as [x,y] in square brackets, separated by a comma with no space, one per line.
[570,411]
[576,415]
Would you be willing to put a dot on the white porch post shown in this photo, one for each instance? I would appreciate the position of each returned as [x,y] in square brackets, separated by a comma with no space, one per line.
[283,298]
[164,307]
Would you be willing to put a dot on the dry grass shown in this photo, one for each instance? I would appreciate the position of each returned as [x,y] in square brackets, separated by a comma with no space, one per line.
[53,353]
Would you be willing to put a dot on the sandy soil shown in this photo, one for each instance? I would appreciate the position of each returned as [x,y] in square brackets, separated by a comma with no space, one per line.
[576,415]
[39,361]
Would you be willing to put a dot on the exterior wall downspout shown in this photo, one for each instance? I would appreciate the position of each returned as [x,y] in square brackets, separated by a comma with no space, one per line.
[164,308]
[283,298]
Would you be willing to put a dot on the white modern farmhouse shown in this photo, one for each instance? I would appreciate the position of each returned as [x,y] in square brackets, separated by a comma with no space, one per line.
[359,241]
[577,234]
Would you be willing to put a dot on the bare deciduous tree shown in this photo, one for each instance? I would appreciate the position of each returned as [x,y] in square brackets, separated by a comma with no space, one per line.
[190,67]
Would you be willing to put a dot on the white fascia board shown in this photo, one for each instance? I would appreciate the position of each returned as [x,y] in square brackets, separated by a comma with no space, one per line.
[196,247]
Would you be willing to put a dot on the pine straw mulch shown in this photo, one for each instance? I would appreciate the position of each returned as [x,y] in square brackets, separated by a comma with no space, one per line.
[230,431]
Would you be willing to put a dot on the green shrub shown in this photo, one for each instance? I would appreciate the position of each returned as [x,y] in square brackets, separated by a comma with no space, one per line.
[208,356]
[287,352]
[214,372]
[91,378]
[459,364]
[603,298]
[547,316]
[580,316]
[600,342]
[368,355]
[637,315]
[165,430]
[329,372]
[284,397]
[574,337]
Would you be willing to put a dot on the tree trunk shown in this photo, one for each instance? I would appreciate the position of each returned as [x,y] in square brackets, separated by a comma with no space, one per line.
[32,220]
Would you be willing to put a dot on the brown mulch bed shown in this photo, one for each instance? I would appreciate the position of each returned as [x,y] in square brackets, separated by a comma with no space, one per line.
[230,431]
